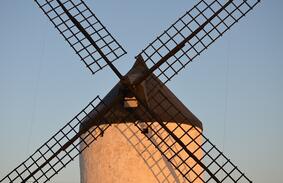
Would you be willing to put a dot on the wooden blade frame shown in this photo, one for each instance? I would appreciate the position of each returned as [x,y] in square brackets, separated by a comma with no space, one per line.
[88,53]
[58,151]
[216,166]
[173,140]
[61,148]
[191,34]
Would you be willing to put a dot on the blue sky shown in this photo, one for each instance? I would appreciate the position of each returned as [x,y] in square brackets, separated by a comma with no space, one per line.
[235,87]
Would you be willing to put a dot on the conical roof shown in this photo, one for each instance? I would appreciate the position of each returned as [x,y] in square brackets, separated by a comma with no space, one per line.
[153,92]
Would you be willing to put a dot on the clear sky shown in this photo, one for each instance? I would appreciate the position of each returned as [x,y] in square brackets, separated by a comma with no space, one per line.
[235,88]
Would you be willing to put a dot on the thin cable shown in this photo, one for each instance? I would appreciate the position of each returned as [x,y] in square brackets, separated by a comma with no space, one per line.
[35,94]
[226,92]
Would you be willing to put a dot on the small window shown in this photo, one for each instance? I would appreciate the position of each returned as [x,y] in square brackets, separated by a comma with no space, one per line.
[130,102]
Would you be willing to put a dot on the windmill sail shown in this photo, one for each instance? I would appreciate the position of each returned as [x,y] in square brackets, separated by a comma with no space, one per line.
[61,148]
[177,134]
[81,44]
[190,152]
[157,113]
[199,27]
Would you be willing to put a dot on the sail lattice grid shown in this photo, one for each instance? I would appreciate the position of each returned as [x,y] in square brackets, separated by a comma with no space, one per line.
[76,39]
[178,140]
[192,154]
[233,11]
[60,149]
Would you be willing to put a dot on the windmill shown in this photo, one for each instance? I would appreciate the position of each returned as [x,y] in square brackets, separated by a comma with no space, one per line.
[140,106]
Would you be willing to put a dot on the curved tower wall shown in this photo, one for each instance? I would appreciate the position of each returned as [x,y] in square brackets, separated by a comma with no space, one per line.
[125,155]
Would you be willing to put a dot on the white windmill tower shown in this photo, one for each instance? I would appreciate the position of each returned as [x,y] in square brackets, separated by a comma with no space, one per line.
[142,132]
[124,154]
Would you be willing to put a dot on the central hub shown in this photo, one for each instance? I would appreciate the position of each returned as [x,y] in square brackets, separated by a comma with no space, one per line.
[130,90]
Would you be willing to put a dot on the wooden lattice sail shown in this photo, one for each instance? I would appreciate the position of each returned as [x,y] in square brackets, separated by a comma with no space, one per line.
[143,133]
